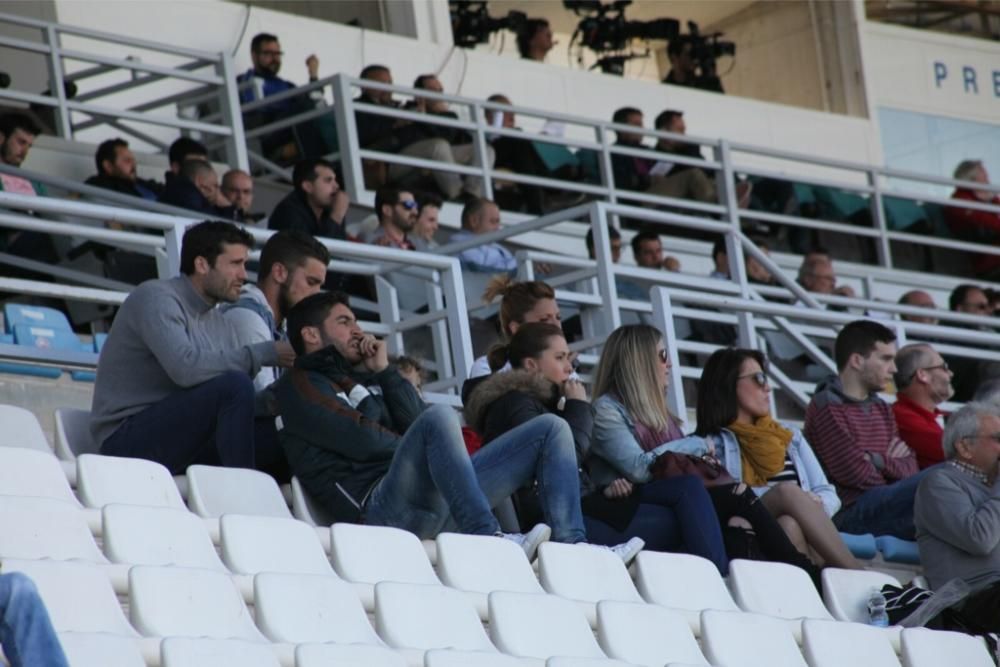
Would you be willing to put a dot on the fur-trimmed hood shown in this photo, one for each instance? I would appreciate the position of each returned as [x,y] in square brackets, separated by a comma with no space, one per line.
[497,385]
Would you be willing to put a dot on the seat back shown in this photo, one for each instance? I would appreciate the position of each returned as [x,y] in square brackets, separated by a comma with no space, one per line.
[646,634]
[681,581]
[846,592]
[582,572]
[835,643]
[325,655]
[91,649]
[775,589]
[21,429]
[252,544]
[306,509]
[49,338]
[215,491]
[190,652]
[540,626]
[738,639]
[926,648]
[46,528]
[158,536]
[426,617]
[370,554]
[105,480]
[449,658]
[484,564]
[40,316]
[73,434]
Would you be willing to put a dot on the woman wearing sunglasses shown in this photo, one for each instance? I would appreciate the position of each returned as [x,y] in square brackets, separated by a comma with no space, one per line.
[632,428]
[668,515]
[734,414]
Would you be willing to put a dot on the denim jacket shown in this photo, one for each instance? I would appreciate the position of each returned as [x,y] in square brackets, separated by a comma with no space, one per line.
[811,475]
[615,450]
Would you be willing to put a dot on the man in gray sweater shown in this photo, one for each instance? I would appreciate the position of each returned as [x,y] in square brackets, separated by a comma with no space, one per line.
[174,385]
[957,512]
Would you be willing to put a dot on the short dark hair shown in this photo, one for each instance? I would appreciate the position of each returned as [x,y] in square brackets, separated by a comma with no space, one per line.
[192,167]
[291,248]
[429,199]
[386,196]
[184,147]
[527,32]
[589,239]
[260,39]
[530,341]
[368,70]
[860,337]
[960,294]
[717,402]
[13,121]
[108,150]
[644,235]
[206,240]
[664,117]
[719,247]
[473,208]
[420,83]
[310,312]
[305,170]
[621,115]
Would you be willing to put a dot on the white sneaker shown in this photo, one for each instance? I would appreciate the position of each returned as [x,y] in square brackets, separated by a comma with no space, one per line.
[529,541]
[627,550]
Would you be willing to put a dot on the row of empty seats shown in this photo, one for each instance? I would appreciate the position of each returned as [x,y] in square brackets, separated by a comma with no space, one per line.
[45,328]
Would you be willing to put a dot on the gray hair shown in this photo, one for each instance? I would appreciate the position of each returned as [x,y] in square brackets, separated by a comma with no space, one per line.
[966,169]
[988,392]
[909,360]
[965,424]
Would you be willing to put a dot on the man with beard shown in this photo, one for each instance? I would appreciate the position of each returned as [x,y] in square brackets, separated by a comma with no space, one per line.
[173,381]
[116,170]
[923,381]
[856,439]
[17,135]
[317,206]
[397,215]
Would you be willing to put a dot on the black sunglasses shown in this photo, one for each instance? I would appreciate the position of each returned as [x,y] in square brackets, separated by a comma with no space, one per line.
[759,378]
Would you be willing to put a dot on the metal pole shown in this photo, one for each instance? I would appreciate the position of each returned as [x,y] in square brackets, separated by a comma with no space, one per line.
[482,149]
[605,267]
[229,99]
[64,126]
[663,317]
[347,138]
[883,248]
[725,185]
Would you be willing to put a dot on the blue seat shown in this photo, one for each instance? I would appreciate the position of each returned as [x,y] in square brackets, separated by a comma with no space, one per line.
[47,338]
[17,313]
[895,550]
[862,546]
[99,341]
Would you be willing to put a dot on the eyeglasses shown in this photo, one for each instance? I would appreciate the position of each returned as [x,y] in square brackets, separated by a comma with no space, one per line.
[943,366]
[408,204]
[759,378]
[664,358]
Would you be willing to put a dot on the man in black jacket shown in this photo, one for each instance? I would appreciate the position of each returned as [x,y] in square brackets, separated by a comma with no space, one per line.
[317,205]
[196,188]
[361,440]
[116,170]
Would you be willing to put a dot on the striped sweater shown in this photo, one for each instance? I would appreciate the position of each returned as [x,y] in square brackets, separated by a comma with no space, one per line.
[842,430]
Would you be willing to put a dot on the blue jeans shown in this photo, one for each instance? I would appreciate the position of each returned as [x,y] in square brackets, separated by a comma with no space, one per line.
[675,514]
[882,510]
[26,632]
[211,423]
[432,478]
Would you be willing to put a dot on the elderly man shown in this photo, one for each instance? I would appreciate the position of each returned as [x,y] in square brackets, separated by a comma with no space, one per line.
[975,225]
[920,299]
[923,381]
[817,275]
[237,187]
[957,513]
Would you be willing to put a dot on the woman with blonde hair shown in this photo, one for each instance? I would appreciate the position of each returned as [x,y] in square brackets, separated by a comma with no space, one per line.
[633,427]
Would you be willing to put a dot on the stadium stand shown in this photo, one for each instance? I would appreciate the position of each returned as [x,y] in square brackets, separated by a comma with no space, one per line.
[224,567]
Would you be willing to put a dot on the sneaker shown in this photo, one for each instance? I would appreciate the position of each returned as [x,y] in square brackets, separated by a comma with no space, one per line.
[529,541]
[627,550]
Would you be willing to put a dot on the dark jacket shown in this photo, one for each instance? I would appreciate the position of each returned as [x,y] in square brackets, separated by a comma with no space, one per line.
[375,130]
[293,212]
[339,444]
[630,172]
[182,193]
[150,190]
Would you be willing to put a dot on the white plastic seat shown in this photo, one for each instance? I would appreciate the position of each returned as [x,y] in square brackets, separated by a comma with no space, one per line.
[686,583]
[306,509]
[21,429]
[835,644]
[78,596]
[34,528]
[301,608]
[103,480]
[846,594]
[584,662]
[481,564]
[540,626]
[188,602]
[30,472]
[776,589]
[252,544]
[158,536]
[424,617]
[327,655]
[585,574]
[646,634]
[73,434]
[190,652]
[931,648]
[448,658]
[737,639]
[214,491]
[92,649]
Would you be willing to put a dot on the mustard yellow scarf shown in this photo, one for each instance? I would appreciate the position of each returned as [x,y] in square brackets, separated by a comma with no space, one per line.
[762,447]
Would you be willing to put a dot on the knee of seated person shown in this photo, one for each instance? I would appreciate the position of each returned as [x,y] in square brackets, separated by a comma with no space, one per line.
[18,587]
[688,484]
[787,492]
[441,150]
[235,383]
[443,413]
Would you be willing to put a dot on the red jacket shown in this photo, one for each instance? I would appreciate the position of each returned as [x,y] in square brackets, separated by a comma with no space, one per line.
[920,429]
[971,225]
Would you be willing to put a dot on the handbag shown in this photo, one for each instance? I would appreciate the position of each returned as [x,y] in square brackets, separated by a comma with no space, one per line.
[706,467]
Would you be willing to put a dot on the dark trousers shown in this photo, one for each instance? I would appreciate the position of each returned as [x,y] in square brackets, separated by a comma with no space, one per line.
[211,423]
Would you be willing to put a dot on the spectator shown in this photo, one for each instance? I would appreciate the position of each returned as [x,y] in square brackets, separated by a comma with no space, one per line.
[923,381]
[647,249]
[366,448]
[482,216]
[958,528]
[397,215]
[292,267]
[971,300]
[316,206]
[426,226]
[817,275]
[375,130]
[756,272]
[438,143]
[616,244]
[411,370]
[173,385]
[921,299]
[182,150]
[262,81]
[686,70]
[630,172]
[855,435]
[28,638]
[534,39]
[237,188]
[116,170]
[17,135]
[972,225]
[196,188]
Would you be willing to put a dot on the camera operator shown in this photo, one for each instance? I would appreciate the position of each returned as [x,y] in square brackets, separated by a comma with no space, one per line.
[534,39]
[686,70]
